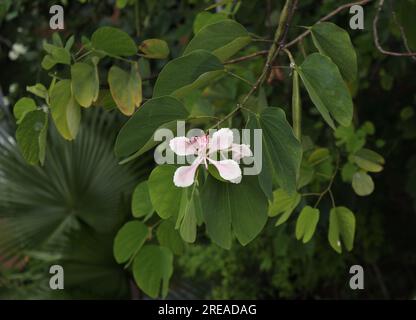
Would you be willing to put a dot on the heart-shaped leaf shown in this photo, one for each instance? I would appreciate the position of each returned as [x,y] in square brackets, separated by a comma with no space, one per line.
[85,83]
[66,112]
[152,270]
[341,227]
[306,223]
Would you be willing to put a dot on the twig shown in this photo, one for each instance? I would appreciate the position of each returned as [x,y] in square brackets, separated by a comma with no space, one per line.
[238,77]
[402,33]
[377,40]
[327,17]
[247,57]
[301,36]
[278,44]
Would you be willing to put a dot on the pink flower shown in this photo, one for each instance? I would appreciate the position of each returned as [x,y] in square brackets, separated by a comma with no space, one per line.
[204,148]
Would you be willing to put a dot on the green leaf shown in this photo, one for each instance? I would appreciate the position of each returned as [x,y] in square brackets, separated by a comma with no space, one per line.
[183,74]
[223,39]
[66,112]
[362,183]
[154,49]
[306,223]
[335,43]
[189,211]
[113,42]
[152,270]
[318,156]
[165,196]
[369,160]
[327,89]
[31,136]
[205,18]
[239,209]
[141,205]
[126,88]
[283,204]
[169,237]
[22,107]
[129,239]
[341,227]
[282,152]
[140,128]
[38,90]
[56,55]
[85,83]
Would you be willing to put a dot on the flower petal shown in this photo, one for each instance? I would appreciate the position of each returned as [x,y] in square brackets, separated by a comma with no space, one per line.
[228,169]
[240,151]
[221,140]
[182,146]
[185,176]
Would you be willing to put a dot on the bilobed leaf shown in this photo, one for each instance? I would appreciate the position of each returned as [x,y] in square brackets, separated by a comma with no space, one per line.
[223,39]
[129,239]
[228,208]
[31,136]
[189,211]
[66,112]
[205,18]
[283,205]
[152,270]
[165,196]
[327,89]
[282,152]
[335,43]
[151,115]
[306,223]
[341,227]
[22,107]
[113,42]
[362,183]
[126,88]
[154,49]
[141,204]
[186,73]
[85,83]
[169,237]
[369,160]
[56,55]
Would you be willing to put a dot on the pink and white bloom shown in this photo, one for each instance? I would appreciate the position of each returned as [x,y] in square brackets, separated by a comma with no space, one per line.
[204,148]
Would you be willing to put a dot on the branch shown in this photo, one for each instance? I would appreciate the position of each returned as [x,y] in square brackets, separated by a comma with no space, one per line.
[327,17]
[279,42]
[302,35]
[247,57]
[377,40]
